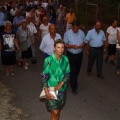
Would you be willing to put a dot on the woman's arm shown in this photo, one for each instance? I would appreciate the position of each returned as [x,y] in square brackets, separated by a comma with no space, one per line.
[16,44]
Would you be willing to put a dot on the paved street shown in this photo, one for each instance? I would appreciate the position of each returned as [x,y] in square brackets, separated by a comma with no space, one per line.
[96,99]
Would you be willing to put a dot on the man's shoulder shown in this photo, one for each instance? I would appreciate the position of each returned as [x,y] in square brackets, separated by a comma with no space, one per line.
[68,31]
[58,35]
[81,31]
[46,36]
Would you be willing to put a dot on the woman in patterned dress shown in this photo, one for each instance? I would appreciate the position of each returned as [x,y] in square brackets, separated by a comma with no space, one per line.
[56,74]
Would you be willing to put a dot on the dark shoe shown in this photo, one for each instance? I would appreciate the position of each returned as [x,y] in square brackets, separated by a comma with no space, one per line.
[106,59]
[100,76]
[89,73]
[112,62]
[74,92]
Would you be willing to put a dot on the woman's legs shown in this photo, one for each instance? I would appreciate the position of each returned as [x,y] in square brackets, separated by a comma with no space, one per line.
[25,63]
[11,69]
[7,70]
[55,115]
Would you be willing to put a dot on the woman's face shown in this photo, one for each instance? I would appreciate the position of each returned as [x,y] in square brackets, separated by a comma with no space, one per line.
[24,25]
[59,49]
[46,21]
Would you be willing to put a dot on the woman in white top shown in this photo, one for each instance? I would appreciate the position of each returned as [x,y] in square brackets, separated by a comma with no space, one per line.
[111,40]
[118,52]
[44,27]
[38,11]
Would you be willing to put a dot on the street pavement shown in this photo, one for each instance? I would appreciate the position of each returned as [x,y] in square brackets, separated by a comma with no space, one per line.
[96,99]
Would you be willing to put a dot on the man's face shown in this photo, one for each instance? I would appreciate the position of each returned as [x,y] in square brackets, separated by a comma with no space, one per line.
[98,26]
[52,30]
[71,11]
[75,29]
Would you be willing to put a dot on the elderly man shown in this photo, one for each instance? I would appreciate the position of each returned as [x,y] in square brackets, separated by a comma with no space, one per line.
[95,39]
[74,42]
[47,44]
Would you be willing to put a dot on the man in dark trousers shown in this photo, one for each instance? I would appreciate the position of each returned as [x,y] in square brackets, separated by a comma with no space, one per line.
[95,39]
[74,42]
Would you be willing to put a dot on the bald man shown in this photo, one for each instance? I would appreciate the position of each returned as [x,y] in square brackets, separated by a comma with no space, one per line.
[47,43]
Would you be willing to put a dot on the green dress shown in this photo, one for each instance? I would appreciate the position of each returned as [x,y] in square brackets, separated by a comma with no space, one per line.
[56,71]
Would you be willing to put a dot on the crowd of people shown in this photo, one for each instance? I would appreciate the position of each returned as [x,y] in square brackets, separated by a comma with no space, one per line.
[22,23]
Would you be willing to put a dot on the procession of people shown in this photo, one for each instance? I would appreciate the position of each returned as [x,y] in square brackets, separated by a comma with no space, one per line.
[24,23]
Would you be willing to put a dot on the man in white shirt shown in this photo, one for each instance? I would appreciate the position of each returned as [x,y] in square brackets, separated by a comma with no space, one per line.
[111,41]
[47,43]
[33,32]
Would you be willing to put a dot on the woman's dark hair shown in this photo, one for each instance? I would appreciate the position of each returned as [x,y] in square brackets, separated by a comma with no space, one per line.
[59,41]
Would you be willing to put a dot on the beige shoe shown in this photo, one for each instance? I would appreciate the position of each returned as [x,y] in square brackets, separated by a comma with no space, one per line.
[118,72]
[26,67]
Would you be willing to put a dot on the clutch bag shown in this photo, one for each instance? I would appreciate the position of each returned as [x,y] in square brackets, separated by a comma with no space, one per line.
[51,91]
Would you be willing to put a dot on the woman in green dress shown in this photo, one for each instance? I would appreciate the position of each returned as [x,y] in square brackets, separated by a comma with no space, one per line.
[56,74]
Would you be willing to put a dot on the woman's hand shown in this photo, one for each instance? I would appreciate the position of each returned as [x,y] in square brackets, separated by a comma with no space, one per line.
[48,95]
[59,85]
[18,49]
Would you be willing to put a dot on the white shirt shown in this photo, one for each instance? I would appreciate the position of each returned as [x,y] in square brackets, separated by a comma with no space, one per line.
[44,5]
[36,2]
[32,28]
[44,29]
[112,37]
[13,11]
[47,43]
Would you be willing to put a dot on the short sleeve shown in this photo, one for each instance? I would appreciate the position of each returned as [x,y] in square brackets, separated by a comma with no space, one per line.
[104,37]
[88,36]
[108,30]
[35,30]
[41,27]
[65,38]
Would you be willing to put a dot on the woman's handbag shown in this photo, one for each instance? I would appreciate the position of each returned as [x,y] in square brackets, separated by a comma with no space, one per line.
[6,47]
[51,91]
